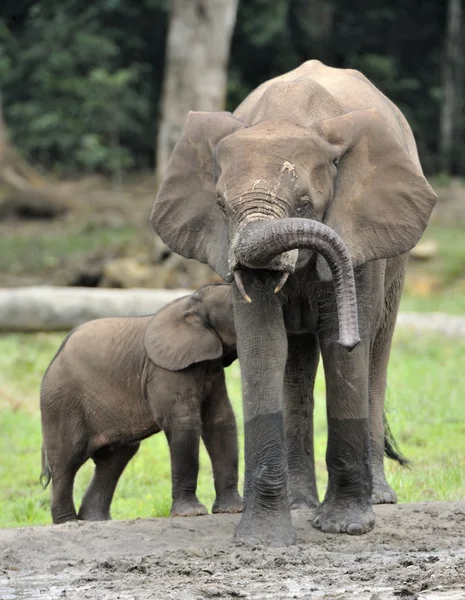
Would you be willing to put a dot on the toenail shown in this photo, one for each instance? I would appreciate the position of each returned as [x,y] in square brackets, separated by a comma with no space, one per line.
[276,544]
[252,541]
[354,529]
[332,528]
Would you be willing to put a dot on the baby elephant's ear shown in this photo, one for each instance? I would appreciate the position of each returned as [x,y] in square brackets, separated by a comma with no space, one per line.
[177,337]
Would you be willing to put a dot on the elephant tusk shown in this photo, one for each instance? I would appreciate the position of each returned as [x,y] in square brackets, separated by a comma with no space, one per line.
[240,286]
[281,282]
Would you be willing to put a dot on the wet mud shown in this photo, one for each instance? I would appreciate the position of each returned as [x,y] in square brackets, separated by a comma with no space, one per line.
[416,552]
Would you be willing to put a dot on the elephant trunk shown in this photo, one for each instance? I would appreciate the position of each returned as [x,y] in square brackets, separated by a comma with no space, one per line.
[260,242]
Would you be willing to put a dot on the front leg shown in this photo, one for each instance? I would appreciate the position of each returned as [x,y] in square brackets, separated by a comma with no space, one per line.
[299,381]
[183,435]
[220,438]
[382,491]
[347,504]
[262,352]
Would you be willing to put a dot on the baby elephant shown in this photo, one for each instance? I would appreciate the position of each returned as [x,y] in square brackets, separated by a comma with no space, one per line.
[116,381]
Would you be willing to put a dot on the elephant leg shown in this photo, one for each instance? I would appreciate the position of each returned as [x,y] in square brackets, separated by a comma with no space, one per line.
[262,351]
[65,458]
[299,380]
[63,508]
[382,491]
[183,436]
[109,466]
[220,439]
[347,504]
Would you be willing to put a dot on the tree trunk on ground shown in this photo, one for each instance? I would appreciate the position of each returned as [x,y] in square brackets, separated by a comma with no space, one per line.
[47,308]
[197,55]
[452,105]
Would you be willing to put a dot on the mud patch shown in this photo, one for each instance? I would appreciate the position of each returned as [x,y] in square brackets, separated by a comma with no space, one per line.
[416,552]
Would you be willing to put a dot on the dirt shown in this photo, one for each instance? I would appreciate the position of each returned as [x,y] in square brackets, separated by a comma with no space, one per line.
[416,551]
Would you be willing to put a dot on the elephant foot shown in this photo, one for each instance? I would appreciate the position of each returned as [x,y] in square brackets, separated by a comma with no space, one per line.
[273,531]
[304,502]
[188,508]
[303,506]
[93,515]
[59,520]
[383,493]
[228,503]
[342,516]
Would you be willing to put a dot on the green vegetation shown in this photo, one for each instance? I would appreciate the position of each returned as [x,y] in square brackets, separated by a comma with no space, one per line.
[449,300]
[21,252]
[426,412]
[438,284]
[81,84]
[449,265]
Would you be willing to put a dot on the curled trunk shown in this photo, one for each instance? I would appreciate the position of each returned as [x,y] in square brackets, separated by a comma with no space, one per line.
[261,241]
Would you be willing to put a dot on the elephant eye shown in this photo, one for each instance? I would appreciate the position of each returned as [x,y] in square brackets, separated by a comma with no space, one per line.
[335,161]
[221,205]
[305,204]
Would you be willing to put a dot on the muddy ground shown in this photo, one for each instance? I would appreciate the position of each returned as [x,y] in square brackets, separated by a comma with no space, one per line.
[417,551]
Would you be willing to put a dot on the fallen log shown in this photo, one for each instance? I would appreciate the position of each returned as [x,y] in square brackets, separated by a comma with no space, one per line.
[48,308]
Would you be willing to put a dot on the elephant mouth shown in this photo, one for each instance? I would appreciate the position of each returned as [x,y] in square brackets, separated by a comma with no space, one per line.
[274,244]
[238,278]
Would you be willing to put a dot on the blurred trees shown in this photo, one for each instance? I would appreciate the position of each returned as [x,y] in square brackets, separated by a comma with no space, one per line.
[76,80]
[451,133]
[82,83]
[196,64]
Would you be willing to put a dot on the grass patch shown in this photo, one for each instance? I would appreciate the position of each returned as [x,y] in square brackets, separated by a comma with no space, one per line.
[426,412]
[445,274]
[23,253]
[450,300]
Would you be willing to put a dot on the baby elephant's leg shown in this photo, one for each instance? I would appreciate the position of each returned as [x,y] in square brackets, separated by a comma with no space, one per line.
[109,465]
[65,455]
[183,434]
[220,438]
[62,493]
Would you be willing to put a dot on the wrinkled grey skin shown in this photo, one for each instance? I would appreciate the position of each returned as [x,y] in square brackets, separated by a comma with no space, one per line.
[247,193]
[116,381]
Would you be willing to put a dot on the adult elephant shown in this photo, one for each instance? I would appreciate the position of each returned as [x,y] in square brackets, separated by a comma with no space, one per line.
[315,169]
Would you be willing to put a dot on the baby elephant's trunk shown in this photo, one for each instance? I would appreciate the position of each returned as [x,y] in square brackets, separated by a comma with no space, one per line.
[46,474]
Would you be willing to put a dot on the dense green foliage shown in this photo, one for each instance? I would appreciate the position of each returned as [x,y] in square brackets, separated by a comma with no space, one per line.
[81,82]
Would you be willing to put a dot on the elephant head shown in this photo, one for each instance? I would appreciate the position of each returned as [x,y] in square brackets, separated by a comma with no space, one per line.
[192,329]
[237,196]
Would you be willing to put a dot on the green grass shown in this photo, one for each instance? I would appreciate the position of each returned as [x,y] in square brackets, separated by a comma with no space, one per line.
[26,253]
[449,300]
[447,270]
[426,412]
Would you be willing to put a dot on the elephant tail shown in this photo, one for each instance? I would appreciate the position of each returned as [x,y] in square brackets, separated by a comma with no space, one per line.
[46,474]
[391,448]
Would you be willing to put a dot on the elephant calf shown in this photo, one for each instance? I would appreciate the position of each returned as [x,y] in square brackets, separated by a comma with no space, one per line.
[116,381]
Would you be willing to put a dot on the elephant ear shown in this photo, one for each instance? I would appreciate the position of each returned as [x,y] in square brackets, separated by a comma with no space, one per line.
[178,337]
[382,201]
[185,213]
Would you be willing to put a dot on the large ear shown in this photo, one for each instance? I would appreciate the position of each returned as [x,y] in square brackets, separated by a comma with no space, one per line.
[177,337]
[185,213]
[382,201]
